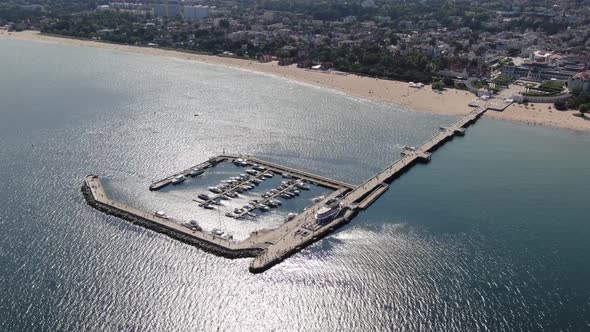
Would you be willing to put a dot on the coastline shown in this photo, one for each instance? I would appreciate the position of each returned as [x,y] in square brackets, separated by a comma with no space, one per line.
[450,102]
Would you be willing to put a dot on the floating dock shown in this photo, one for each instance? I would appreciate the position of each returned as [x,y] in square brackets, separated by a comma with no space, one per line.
[270,247]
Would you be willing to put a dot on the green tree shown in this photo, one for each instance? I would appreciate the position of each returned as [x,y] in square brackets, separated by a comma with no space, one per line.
[584,108]
[560,105]
[438,85]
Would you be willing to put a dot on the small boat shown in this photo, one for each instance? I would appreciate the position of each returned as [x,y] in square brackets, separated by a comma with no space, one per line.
[317,199]
[204,197]
[215,201]
[291,216]
[259,168]
[240,162]
[208,206]
[265,195]
[277,202]
[250,214]
[285,196]
[267,175]
[230,215]
[196,172]
[287,176]
[214,190]
[239,211]
[262,207]
[227,236]
[217,231]
[256,181]
[161,214]
[193,223]
[302,186]
[231,194]
[252,172]
[194,227]
[178,179]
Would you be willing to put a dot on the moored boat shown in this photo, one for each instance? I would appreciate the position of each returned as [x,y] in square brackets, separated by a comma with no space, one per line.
[328,211]
[178,179]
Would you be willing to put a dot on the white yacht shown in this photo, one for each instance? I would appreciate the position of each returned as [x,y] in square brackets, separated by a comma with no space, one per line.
[215,190]
[328,211]
[178,179]
[302,186]
[161,214]
[196,172]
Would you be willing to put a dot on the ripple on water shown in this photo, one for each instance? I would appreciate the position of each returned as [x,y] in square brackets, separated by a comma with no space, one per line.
[488,236]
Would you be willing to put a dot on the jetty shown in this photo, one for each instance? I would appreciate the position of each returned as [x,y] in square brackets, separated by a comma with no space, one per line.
[370,190]
[271,246]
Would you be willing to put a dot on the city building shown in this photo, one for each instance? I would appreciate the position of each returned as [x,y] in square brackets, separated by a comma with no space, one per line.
[580,81]
[195,12]
[166,10]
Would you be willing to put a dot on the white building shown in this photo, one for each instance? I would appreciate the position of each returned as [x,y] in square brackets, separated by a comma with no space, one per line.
[166,10]
[195,12]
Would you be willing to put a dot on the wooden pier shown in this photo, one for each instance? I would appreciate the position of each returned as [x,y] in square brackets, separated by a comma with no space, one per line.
[269,247]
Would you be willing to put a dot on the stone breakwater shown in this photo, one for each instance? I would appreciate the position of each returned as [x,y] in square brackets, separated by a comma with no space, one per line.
[268,258]
[149,224]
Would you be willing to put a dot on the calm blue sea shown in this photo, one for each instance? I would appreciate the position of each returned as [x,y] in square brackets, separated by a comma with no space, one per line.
[492,235]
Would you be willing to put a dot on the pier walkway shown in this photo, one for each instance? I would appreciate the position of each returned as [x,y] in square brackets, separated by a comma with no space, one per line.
[409,158]
[271,246]
[275,244]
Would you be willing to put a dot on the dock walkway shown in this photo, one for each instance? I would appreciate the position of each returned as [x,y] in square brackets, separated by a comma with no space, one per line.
[409,158]
[271,246]
[280,169]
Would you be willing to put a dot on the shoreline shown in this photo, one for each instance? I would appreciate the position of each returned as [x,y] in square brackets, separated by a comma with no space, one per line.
[450,102]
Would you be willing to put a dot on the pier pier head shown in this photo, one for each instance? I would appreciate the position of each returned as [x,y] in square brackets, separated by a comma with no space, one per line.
[270,247]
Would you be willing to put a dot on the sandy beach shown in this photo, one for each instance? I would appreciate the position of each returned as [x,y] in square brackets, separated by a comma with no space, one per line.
[450,102]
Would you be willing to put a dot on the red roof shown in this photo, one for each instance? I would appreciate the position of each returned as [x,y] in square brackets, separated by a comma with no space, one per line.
[584,76]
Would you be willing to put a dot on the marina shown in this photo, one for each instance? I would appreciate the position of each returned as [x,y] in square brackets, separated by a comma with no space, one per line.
[271,246]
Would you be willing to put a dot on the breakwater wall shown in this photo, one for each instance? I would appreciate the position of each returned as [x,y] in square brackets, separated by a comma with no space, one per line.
[202,244]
